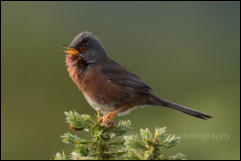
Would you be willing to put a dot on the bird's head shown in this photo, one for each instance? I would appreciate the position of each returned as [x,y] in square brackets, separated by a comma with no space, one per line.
[87,46]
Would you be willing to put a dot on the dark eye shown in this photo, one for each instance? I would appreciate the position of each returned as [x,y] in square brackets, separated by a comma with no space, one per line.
[82,49]
[84,41]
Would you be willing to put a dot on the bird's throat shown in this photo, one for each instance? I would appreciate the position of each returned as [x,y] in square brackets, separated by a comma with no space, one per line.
[76,68]
[75,61]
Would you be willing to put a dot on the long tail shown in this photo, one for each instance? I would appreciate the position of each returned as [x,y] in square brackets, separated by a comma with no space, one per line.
[154,100]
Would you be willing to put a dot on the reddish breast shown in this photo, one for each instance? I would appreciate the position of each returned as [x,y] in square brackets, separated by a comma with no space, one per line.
[74,69]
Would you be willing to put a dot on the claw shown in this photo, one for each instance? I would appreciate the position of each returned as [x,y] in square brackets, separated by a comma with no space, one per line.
[108,119]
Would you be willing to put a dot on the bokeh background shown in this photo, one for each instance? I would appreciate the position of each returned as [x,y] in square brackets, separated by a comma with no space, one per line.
[188,52]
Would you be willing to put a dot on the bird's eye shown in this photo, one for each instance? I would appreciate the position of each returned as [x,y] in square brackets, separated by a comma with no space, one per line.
[82,49]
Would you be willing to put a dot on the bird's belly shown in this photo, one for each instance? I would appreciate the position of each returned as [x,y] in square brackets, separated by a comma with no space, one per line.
[104,108]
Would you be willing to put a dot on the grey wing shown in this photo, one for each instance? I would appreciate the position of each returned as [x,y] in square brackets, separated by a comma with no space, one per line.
[121,76]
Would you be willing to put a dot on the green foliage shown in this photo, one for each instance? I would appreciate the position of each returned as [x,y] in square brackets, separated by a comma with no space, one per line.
[60,156]
[149,146]
[117,141]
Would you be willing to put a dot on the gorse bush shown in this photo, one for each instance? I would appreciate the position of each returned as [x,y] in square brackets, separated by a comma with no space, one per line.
[116,142]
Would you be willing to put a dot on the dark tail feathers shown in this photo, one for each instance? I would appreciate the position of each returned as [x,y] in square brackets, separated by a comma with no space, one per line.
[162,102]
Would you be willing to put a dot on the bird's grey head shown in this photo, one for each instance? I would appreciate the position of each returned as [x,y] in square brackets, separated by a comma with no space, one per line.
[88,46]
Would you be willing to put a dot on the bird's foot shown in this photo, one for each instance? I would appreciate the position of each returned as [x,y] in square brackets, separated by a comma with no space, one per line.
[108,119]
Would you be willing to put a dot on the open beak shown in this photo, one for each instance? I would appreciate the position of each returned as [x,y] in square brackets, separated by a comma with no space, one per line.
[71,51]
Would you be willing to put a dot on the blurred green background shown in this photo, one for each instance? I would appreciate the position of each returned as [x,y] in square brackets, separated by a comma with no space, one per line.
[188,52]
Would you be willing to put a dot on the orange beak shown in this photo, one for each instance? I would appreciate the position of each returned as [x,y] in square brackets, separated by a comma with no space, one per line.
[71,51]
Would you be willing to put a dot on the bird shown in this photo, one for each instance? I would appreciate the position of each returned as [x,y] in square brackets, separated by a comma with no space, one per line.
[108,86]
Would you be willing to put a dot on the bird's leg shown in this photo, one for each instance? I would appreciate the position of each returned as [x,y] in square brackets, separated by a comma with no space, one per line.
[108,118]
